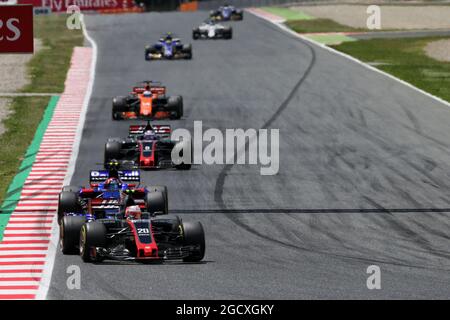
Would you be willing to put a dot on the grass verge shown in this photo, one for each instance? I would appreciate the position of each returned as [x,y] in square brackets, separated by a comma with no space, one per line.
[287,13]
[404,58]
[47,70]
[320,25]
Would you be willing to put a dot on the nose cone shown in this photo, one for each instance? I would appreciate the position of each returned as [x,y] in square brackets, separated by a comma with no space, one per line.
[148,251]
[147,163]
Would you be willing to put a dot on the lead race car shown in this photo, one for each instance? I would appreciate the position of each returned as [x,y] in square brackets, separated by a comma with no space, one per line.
[135,236]
[211,30]
[147,147]
[168,48]
[148,100]
[226,13]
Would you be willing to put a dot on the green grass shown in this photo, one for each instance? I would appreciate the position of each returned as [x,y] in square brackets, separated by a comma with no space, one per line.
[48,69]
[319,25]
[330,38]
[287,13]
[405,58]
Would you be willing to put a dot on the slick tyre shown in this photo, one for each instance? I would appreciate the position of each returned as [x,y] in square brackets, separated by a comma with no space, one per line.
[69,233]
[163,190]
[112,151]
[92,234]
[119,105]
[175,104]
[228,33]
[156,203]
[71,188]
[193,234]
[184,145]
[195,34]
[187,50]
[68,203]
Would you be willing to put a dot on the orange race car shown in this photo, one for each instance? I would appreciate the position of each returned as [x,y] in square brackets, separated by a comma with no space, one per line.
[148,101]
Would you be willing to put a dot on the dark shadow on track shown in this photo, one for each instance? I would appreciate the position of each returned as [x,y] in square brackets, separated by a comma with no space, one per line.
[310,211]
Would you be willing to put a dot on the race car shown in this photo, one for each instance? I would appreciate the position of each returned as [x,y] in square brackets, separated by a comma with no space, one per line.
[148,100]
[147,147]
[108,193]
[168,48]
[212,30]
[226,13]
[138,236]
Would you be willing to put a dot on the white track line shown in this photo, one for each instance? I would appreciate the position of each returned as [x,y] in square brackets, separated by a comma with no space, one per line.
[48,268]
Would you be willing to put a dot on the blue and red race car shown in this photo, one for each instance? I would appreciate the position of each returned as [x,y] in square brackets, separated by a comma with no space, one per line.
[168,48]
[226,13]
[108,193]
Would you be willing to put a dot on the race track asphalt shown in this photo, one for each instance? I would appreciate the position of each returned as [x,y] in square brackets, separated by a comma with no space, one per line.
[364,170]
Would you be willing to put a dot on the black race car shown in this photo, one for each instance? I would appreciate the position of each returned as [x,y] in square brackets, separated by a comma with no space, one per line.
[147,147]
[138,236]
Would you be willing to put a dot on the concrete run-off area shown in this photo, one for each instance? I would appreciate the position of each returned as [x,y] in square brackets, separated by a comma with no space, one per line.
[439,50]
[13,70]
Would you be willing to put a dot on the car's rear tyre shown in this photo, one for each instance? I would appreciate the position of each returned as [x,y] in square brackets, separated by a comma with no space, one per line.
[92,234]
[112,151]
[156,203]
[196,34]
[183,166]
[228,33]
[187,50]
[119,105]
[71,188]
[193,234]
[239,16]
[175,104]
[184,145]
[68,202]
[164,191]
[69,233]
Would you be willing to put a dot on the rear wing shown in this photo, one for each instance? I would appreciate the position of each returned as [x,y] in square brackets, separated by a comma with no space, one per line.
[98,176]
[159,129]
[155,90]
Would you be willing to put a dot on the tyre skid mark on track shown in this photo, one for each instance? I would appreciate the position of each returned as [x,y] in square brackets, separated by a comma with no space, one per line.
[310,211]
[218,194]
[220,181]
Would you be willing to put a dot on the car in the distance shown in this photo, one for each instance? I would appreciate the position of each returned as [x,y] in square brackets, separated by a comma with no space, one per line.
[168,48]
[211,30]
[226,13]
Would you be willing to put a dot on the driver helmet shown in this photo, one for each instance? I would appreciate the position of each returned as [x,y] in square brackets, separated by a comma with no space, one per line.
[133,212]
[112,184]
[169,36]
[149,135]
[147,94]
